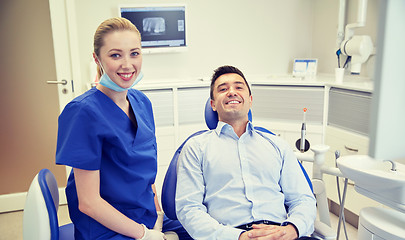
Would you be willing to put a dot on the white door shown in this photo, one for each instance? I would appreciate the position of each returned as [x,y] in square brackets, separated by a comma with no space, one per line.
[65,43]
[63,40]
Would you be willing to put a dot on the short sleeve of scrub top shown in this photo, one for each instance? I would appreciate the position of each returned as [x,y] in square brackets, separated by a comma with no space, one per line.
[95,134]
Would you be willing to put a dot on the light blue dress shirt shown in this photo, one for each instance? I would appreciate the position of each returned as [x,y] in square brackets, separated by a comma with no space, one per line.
[225,181]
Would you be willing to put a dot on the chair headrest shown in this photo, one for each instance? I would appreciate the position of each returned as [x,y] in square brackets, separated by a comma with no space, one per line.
[211,116]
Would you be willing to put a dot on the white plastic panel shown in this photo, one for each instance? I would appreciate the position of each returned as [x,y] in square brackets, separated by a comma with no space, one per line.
[192,104]
[162,103]
[286,103]
[349,110]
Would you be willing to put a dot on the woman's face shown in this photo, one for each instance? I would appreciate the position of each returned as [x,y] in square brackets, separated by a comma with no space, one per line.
[121,57]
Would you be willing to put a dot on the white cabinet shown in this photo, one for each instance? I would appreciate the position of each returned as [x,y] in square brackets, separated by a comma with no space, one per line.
[348,143]
[347,132]
[279,108]
[285,104]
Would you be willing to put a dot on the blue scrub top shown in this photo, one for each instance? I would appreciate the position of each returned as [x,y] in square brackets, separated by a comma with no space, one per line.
[95,134]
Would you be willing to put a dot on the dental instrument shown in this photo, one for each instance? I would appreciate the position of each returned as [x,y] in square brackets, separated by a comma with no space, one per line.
[302,144]
[338,53]
[348,59]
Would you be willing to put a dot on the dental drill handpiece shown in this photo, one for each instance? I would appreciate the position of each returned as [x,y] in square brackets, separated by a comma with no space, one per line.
[337,155]
[303,130]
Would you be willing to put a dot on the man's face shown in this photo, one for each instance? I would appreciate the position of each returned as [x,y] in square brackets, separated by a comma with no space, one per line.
[231,98]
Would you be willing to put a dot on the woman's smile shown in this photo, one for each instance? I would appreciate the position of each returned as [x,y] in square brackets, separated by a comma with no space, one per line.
[126,76]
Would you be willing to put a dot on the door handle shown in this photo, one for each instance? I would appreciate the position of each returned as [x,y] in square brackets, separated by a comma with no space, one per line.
[63,82]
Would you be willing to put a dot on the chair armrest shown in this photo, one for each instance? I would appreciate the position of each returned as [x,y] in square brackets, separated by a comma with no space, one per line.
[323,231]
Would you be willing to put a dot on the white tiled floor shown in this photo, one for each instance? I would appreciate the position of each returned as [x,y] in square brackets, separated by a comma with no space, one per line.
[351,231]
[11,225]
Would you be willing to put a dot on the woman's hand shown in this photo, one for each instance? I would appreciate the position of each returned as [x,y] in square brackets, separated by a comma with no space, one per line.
[152,234]
[159,221]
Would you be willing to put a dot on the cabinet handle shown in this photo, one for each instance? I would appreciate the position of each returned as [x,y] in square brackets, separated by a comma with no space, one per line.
[351,149]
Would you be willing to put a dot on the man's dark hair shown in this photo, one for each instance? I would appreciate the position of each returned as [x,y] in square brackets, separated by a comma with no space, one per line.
[224,70]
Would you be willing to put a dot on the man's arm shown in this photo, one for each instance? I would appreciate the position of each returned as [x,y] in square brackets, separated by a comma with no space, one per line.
[190,192]
[299,198]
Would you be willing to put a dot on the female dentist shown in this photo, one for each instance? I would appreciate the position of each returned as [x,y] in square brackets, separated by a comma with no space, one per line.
[108,136]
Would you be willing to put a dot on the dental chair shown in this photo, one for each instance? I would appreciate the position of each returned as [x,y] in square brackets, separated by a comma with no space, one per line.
[40,219]
[322,231]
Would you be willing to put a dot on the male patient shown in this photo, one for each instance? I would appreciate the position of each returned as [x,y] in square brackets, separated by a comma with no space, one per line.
[237,183]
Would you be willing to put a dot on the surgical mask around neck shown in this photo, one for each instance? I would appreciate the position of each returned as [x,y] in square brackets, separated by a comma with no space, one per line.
[106,81]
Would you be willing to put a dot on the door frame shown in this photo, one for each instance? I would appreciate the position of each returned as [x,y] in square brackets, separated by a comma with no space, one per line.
[67,60]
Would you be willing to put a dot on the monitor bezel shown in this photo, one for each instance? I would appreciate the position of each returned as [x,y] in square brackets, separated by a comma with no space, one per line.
[151,50]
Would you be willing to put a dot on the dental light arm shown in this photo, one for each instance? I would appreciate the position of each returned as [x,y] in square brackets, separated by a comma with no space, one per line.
[341,23]
[361,20]
[358,47]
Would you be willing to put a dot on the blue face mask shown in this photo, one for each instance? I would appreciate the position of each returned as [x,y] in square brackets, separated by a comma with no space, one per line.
[106,81]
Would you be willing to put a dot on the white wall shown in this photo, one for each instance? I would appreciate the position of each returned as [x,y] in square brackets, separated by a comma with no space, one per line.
[325,32]
[260,37]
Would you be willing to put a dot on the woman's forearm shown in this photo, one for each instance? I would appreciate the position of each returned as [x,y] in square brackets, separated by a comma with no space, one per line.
[91,204]
[158,208]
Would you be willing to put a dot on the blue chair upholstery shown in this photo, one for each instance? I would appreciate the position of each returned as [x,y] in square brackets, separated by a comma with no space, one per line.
[169,183]
[40,220]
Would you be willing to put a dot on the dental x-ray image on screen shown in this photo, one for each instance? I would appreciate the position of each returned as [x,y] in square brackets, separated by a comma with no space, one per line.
[162,27]
[153,26]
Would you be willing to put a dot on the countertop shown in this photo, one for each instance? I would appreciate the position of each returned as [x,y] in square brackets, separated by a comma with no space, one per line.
[324,80]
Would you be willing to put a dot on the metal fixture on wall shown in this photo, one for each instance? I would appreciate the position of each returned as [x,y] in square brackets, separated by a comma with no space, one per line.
[358,47]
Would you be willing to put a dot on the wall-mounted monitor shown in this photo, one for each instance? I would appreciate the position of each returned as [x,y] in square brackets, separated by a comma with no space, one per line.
[162,27]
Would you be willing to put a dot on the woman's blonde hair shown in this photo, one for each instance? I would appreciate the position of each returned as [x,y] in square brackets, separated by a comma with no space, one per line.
[106,27]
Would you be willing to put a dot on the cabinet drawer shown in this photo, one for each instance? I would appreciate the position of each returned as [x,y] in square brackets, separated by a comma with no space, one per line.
[348,143]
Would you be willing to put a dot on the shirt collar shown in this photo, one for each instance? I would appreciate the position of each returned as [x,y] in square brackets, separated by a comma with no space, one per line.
[223,127]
